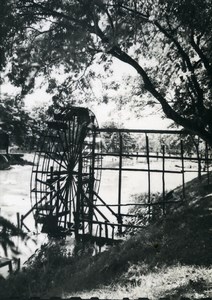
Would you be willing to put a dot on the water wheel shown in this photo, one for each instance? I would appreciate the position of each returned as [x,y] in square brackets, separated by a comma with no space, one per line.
[66,173]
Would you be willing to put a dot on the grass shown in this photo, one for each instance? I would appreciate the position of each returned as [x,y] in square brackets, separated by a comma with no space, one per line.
[175,281]
[171,256]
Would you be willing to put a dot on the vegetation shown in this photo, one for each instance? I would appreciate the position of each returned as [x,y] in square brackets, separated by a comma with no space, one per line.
[167,43]
[172,249]
[23,127]
[111,140]
[14,120]
[7,231]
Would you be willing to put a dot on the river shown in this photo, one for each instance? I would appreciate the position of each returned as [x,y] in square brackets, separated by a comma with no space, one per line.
[15,193]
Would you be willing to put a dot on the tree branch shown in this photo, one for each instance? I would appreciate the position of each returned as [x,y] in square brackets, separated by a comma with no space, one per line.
[39,32]
[181,51]
[133,11]
[203,57]
[104,8]
[189,65]
[52,13]
[148,85]
[191,125]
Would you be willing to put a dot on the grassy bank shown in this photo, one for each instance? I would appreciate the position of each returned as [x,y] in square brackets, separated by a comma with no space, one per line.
[170,256]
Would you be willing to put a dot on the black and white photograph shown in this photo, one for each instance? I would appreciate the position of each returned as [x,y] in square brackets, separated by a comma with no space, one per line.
[106,149]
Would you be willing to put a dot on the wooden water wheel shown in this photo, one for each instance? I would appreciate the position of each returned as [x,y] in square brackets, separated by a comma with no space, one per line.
[66,173]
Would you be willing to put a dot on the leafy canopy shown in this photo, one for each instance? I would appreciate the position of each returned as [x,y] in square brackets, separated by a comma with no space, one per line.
[167,42]
[15,120]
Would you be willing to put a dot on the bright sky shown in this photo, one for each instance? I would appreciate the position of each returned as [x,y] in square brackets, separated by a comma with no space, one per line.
[103,112]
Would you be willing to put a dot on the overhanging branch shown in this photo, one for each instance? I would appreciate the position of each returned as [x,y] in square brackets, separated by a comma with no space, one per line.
[190,67]
[203,57]
[189,124]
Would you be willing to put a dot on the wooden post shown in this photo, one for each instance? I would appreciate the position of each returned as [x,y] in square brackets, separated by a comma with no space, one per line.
[24,225]
[207,162]
[163,177]
[66,209]
[7,144]
[106,230]
[50,195]
[21,221]
[100,230]
[18,264]
[113,232]
[148,166]
[100,235]
[57,203]
[10,266]
[18,220]
[183,169]
[119,217]
[79,193]
[91,182]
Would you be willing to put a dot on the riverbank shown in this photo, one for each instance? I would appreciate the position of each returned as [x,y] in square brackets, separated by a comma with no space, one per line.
[8,160]
[171,256]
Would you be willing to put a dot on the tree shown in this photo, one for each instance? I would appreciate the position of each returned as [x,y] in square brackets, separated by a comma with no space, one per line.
[167,42]
[111,139]
[15,120]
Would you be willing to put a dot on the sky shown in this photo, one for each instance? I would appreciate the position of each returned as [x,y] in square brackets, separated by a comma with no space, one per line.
[104,112]
[148,119]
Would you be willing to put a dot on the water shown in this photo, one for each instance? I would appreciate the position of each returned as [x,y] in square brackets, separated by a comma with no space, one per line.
[15,193]
[15,198]
[136,182]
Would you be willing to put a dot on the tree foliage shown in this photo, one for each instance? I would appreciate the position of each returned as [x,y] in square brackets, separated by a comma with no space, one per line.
[167,42]
[113,140]
[15,120]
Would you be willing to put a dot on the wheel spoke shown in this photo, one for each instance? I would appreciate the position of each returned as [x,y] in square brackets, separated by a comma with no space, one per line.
[58,162]
[54,181]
